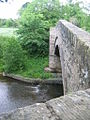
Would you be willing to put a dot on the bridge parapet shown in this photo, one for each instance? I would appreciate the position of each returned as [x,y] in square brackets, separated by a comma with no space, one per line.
[74,47]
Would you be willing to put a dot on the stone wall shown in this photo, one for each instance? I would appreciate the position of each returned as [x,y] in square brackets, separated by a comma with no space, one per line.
[74,48]
[69,107]
[50,81]
[54,60]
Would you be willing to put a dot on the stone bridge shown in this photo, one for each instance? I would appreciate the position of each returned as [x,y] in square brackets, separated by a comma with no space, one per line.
[69,54]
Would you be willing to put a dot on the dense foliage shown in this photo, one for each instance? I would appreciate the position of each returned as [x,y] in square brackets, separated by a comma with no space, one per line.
[37,18]
[74,14]
[12,54]
[3,43]
[35,23]
[1,53]
[14,60]
[35,68]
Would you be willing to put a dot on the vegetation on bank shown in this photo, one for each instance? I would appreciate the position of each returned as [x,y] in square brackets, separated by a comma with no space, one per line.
[13,59]
[35,68]
[27,54]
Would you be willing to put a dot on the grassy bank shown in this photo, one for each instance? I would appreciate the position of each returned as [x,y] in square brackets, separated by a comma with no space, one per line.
[8,32]
[35,68]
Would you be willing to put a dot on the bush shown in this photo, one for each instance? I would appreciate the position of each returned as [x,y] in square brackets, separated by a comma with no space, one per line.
[1,52]
[3,42]
[13,56]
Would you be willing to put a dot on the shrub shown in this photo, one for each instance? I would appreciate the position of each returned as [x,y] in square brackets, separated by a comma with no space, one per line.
[1,52]
[13,56]
[3,42]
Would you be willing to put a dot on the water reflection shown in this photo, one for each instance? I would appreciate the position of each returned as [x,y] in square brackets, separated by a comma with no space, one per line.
[17,94]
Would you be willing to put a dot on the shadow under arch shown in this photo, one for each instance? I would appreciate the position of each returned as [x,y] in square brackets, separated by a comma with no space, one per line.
[58,62]
[57,51]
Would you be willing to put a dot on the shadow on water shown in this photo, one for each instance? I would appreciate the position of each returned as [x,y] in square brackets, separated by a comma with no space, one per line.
[15,94]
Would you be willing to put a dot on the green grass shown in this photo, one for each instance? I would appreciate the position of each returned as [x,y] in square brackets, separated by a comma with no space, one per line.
[35,68]
[8,32]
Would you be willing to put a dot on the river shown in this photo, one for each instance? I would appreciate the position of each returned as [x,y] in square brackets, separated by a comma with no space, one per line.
[15,94]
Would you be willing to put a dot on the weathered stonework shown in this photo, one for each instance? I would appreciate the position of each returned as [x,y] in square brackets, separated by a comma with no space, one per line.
[74,49]
[54,60]
[33,80]
[69,107]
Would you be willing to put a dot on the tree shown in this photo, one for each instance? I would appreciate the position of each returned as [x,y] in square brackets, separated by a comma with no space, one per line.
[35,23]
[37,18]
[74,14]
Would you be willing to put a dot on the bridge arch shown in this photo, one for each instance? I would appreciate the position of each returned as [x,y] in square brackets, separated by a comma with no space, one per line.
[69,53]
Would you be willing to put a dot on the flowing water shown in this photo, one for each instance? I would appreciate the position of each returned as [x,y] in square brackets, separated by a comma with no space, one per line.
[15,94]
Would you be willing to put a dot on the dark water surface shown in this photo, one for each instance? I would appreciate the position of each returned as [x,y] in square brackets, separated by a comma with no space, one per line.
[15,94]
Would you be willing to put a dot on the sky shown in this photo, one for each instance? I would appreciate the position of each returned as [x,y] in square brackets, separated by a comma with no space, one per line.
[10,9]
